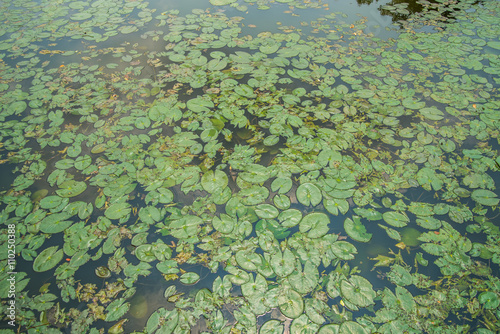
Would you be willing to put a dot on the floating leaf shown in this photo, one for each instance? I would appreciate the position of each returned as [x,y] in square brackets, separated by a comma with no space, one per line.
[351,327]
[269,48]
[334,206]
[485,197]
[213,181]
[329,329]
[494,44]
[102,272]
[81,16]
[432,113]
[55,223]
[116,309]
[272,327]
[281,185]
[304,281]
[400,275]
[283,264]
[47,259]
[343,250]
[291,304]
[309,194]
[290,217]
[248,260]
[281,201]
[145,253]
[221,2]
[255,174]
[392,233]
[489,299]
[225,224]
[358,290]
[51,202]
[189,278]
[71,188]
[395,219]
[118,210]
[266,211]
[356,230]
[315,224]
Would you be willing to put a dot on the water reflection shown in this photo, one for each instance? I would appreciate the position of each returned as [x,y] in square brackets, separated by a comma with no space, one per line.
[401,10]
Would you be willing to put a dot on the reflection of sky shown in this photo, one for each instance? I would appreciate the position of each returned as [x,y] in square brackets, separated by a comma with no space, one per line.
[265,20]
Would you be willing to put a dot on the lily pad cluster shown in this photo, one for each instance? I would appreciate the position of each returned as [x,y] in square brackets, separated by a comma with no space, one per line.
[273,160]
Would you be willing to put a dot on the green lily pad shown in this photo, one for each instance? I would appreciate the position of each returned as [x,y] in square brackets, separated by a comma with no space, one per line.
[150,214]
[283,264]
[50,202]
[225,224]
[315,224]
[65,164]
[79,258]
[413,104]
[81,16]
[290,217]
[400,276]
[199,105]
[48,259]
[55,223]
[254,195]
[427,177]
[356,230]
[254,289]
[266,211]
[189,278]
[282,185]
[489,299]
[351,327]
[343,250]
[291,304]
[217,64]
[365,93]
[392,233]
[272,327]
[103,272]
[281,201]
[485,197]
[221,2]
[214,181]
[118,210]
[145,253]
[116,309]
[85,211]
[255,174]
[83,162]
[494,44]
[358,290]
[396,219]
[269,48]
[304,281]
[309,194]
[329,329]
[334,206]
[432,113]
[248,260]
[71,188]
[303,325]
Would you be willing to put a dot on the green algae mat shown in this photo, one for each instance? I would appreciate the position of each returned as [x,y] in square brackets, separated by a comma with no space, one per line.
[169,172]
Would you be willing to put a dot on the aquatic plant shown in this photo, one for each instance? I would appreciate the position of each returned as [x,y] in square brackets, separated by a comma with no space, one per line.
[270,160]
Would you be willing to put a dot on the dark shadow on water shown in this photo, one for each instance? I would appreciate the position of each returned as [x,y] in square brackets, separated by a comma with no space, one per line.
[407,8]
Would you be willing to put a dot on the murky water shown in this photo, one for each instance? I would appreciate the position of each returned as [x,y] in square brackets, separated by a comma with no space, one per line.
[242,167]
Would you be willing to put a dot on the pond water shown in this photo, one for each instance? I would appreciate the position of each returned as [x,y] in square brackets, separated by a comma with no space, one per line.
[236,166]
